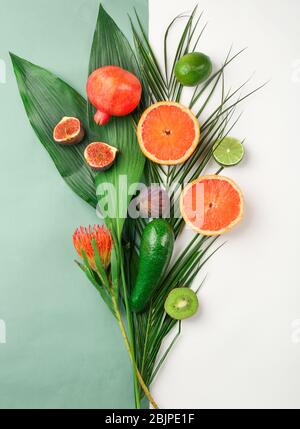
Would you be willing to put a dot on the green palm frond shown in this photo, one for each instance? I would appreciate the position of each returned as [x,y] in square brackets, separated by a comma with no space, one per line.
[152,327]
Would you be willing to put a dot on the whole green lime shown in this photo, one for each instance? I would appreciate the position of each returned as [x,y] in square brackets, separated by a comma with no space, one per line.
[193,68]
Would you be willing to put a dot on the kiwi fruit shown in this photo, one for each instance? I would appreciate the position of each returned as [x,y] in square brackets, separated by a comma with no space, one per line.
[182,303]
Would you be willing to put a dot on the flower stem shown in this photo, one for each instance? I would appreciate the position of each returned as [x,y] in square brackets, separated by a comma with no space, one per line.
[130,342]
[123,331]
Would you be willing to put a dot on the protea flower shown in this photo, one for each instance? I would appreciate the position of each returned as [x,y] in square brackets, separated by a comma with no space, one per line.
[83,238]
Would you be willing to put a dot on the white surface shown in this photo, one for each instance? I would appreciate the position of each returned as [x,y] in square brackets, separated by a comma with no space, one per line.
[243,350]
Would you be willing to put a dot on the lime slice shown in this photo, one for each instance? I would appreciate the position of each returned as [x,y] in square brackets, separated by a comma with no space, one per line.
[228,152]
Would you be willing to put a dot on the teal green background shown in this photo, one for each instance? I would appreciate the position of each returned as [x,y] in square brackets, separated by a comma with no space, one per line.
[63,349]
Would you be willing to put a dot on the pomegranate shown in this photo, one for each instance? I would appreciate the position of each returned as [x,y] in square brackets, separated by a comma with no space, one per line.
[113,91]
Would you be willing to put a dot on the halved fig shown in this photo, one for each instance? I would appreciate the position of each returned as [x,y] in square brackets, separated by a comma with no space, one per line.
[68,131]
[100,156]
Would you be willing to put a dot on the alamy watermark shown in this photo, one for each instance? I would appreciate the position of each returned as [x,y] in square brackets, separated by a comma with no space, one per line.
[296,71]
[2,71]
[295,331]
[2,332]
[148,201]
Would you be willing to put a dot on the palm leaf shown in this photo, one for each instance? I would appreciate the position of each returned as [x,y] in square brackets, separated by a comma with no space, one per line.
[47,99]
[111,47]
[153,326]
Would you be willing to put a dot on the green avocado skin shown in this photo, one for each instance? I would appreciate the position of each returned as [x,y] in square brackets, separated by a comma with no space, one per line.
[156,250]
[193,68]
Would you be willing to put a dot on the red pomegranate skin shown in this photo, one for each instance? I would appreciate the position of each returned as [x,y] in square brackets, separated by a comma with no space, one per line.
[114,91]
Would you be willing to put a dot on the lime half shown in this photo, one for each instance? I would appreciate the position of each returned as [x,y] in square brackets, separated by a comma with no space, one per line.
[228,152]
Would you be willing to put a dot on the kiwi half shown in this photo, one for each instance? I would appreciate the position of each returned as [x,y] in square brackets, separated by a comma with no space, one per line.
[181,304]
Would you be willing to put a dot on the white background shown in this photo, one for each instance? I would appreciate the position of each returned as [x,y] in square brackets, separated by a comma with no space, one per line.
[243,349]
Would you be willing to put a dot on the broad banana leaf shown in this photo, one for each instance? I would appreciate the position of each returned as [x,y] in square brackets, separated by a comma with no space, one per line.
[110,47]
[47,99]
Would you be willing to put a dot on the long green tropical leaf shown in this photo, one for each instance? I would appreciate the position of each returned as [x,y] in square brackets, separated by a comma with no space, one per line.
[111,47]
[47,99]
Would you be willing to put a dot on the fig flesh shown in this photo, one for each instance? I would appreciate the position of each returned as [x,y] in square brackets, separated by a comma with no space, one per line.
[100,156]
[113,91]
[68,131]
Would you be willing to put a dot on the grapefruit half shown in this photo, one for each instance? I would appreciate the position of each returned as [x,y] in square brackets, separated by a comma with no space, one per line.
[168,133]
[212,205]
